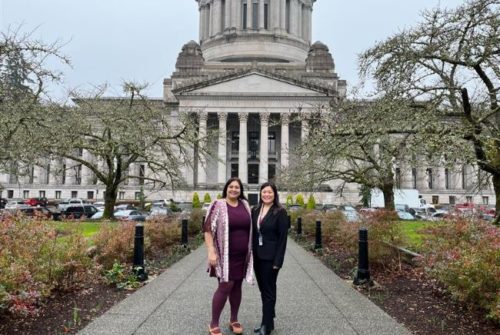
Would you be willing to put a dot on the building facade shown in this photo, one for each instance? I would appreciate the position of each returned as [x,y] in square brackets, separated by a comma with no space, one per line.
[249,79]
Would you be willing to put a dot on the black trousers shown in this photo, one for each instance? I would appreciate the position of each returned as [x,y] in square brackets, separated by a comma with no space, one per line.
[266,279]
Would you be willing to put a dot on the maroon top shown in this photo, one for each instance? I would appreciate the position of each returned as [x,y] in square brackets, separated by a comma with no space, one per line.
[239,234]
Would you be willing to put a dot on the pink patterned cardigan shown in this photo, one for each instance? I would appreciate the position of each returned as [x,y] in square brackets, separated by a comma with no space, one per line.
[220,232]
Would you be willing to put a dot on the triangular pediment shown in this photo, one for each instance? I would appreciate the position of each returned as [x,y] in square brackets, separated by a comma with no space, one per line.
[253,83]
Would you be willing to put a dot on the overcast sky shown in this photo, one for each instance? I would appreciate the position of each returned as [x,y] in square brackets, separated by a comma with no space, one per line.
[109,41]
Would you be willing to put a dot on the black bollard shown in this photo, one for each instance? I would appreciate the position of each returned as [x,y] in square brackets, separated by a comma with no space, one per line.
[299,226]
[138,266]
[184,235]
[289,221]
[202,222]
[363,275]
[318,244]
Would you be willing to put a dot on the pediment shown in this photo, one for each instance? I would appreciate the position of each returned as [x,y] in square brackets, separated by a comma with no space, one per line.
[253,84]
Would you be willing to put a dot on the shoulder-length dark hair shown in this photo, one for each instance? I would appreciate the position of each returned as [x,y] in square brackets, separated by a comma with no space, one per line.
[224,191]
[276,202]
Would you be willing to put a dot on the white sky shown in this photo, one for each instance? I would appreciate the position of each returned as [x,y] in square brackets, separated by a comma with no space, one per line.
[110,41]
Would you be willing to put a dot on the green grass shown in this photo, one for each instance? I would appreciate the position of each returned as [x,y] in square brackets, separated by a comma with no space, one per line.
[413,233]
[87,228]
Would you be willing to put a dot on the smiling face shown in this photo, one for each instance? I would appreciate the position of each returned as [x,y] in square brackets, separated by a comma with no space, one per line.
[267,195]
[233,190]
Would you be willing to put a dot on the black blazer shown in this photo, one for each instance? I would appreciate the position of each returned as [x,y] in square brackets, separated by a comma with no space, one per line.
[274,230]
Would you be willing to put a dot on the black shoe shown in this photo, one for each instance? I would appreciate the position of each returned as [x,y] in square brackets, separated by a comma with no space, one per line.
[264,330]
[257,329]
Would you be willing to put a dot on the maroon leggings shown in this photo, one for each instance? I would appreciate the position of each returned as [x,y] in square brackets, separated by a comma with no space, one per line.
[231,289]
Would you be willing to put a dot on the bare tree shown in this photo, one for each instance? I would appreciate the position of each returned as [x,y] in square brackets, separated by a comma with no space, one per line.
[451,60]
[117,132]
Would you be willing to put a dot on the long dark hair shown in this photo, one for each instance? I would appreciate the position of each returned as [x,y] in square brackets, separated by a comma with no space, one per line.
[276,202]
[224,191]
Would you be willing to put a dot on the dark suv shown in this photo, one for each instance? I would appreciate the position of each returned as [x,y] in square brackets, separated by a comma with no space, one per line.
[79,211]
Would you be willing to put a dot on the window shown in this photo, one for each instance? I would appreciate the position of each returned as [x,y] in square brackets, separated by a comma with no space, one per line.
[41,194]
[435,199]
[90,194]
[266,15]
[486,200]
[468,199]
[452,200]
[58,195]
[234,170]
[78,174]
[31,171]
[253,144]
[287,13]
[414,177]
[74,194]
[10,194]
[63,181]
[397,177]
[142,174]
[271,147]
[464,177]
[223,15]
[245,9]
[121,195]
[137,195]
[271,172]
[430,179]
[26,194]
[447,179]
[235,142]
[47,176]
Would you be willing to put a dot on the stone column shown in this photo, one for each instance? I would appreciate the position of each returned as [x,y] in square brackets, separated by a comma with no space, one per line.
[211,20]
[201,23]
[285,121]
[304,32]
[249,14]
[217,17]
[227,14]
[299,19]
[202,134]
[261,14]
[304,130]
[294,7]
[86,172]
[243,149]
[275,15]
[39,175]
[283,15]
[264,154]
[222,150]
[54,172]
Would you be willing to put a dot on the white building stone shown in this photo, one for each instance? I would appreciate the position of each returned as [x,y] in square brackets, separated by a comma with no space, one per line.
[251,75]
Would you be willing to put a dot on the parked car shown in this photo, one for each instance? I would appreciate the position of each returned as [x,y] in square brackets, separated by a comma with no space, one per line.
[294,208]
[3,202]
[99,205]
[41,201]
[15,203]
[405,215]
[132,215]
[205,207]
[98,215]
[329,207]
[31,211]
[158,212]
[70,202]
[123,207]
[185,207]
[350,216]
[79,211]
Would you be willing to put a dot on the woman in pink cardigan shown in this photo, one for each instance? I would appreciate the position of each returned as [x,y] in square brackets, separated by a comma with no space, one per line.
[228,236]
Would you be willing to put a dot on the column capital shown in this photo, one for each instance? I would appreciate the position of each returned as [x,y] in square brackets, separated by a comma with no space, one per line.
[243,116]
[222,116]
[264,117]
[285,118]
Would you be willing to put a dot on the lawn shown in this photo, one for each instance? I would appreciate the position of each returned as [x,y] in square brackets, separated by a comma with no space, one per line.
[413,233]
[87,228]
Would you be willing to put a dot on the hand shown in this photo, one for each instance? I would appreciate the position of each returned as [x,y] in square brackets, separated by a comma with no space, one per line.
[212,258]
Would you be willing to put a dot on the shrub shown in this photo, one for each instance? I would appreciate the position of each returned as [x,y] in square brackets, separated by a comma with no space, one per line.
[299,200]
[195,221]
[219,196]
[311,203]
[196,200]
[162,233]
[34,261]
[115,243]
[465,257]
[289,200]
[207,199]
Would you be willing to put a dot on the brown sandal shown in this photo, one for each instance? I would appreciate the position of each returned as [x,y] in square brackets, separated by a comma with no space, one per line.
[214,331]
[236,327]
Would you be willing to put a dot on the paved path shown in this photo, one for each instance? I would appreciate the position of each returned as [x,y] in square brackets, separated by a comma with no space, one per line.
[312,300]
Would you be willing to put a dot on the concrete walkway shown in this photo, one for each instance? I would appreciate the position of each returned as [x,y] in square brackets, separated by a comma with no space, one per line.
[312,300]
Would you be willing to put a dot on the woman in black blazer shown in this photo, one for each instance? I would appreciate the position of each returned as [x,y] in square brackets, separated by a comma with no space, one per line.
[270,230]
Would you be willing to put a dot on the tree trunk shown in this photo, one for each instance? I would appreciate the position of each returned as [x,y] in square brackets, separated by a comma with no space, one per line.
[496,187]
[109,201]
[388,191]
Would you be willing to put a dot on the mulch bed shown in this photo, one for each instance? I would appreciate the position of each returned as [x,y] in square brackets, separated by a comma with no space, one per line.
[414,299]
[65,313]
